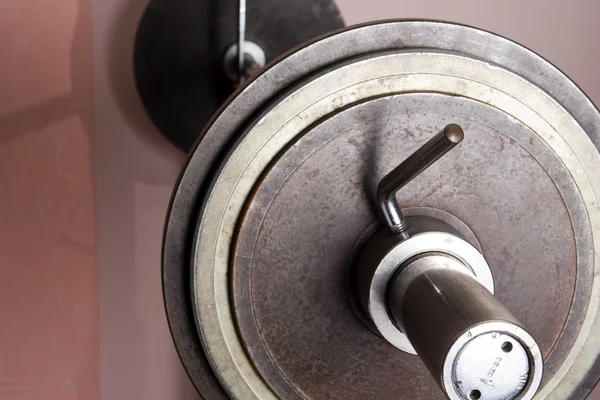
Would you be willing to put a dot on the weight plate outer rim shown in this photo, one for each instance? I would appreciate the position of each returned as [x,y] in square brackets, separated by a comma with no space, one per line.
[379,35]
[551,116]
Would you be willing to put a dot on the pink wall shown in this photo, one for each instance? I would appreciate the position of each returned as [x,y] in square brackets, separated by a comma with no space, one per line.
[564,32]
[48,275]
[57,341]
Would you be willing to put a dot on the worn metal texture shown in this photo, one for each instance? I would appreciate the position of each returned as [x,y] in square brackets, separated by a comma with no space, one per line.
[180,47]
[226,125]
[320,96]
[295,298]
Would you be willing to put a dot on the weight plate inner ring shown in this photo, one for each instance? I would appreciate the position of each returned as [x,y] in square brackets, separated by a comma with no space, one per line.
[344,86]
[353,260]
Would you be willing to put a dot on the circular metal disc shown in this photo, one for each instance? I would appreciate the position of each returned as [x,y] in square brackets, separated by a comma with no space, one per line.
[284,207]
[180,45]
[311,206]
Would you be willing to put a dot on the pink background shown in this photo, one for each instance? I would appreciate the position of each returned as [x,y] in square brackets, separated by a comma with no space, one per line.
[86,180]
[48,244]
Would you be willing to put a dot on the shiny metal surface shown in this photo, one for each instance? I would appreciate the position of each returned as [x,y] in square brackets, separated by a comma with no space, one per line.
[405,275]
[570,341]
[241,41]
[254,59]
[482,367]
[439,306]
[386,251]
[416,163]
[527,388]
[492,366]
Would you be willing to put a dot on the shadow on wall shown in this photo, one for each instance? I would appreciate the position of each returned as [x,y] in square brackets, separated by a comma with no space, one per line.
[120,65]
[137,167]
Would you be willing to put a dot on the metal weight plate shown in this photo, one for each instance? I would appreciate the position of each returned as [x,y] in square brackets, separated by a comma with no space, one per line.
[276,196]
[180,47]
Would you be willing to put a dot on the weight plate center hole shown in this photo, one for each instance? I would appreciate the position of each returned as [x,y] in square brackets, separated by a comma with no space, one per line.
[507,347]
[475,395]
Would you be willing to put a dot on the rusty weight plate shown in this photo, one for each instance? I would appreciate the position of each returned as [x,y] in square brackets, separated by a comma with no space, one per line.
[291,258]
[346,86]
[227,126]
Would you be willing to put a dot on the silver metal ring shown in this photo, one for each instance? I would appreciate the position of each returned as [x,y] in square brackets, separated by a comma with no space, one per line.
[528,342]
[423,243]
